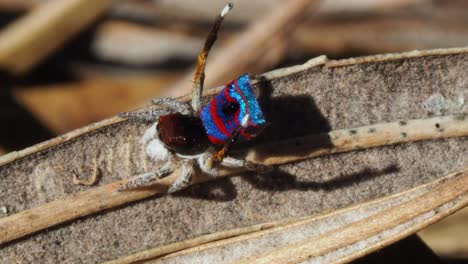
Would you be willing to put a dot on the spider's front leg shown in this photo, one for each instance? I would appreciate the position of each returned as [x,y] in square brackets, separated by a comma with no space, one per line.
[147,179]
[248,165]
[207,166]
[185,177]
[174,105]
[149,115]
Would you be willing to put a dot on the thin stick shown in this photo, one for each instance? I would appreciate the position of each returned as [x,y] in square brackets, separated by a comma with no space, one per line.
[360,138]
[30,39]
[105,197]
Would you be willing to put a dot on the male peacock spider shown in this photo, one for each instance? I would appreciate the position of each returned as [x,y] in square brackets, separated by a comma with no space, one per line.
[190,136]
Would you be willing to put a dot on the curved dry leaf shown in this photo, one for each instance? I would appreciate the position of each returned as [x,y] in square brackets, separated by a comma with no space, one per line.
[336,237]
[307,100]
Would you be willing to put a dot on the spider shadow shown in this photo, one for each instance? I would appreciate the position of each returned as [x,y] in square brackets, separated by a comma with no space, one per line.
[223,190]
[278,180]
[220,190]
[289,117]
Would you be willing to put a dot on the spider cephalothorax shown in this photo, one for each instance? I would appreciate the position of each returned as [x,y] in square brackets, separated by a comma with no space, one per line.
[190,136]
[183,134]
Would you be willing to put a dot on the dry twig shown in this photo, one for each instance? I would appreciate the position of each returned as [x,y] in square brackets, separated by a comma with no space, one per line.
[30,39]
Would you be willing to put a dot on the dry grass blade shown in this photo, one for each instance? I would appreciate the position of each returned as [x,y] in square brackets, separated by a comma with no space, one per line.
[105,197]
[30,39]
[375,232]
[336,237]
[360,138]
[165,250]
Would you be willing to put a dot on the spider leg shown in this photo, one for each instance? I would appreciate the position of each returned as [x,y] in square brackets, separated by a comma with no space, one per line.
[147,179]
[201,62]
[206,165]
[218,157]
[149,115]
[205,160]
[174,105]
[241,163]
[185,177]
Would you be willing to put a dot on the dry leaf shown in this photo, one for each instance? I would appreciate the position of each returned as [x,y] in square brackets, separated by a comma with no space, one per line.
[338,95]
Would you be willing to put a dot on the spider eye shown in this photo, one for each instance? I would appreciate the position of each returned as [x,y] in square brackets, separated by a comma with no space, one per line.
[230,108]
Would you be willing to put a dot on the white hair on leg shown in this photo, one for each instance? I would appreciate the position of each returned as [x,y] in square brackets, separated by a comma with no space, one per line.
[233,162]
[245,121]
[184,179]
[203,162]
[226,9]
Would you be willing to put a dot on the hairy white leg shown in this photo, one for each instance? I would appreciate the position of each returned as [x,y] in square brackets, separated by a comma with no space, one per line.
[241,163]
[149,115]
[174,105]
[184,178]
[233,162]
[146,179]
[205,164]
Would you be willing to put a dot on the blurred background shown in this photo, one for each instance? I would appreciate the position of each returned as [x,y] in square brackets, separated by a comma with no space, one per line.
[67,63]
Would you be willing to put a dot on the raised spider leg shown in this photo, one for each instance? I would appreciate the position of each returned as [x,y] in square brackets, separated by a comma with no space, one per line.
[201,62]
[149,115]
[174,105]
[185,176]
[147,179]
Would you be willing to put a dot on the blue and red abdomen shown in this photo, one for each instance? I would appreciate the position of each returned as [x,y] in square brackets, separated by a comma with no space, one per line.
[223,115]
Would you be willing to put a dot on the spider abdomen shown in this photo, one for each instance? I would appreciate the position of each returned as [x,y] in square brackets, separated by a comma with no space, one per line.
[225,112]
[182,133]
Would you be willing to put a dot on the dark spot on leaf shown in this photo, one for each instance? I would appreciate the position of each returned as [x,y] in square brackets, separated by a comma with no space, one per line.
[403,134]
[371,130]
[437,125]
[403,123]
[353,132]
